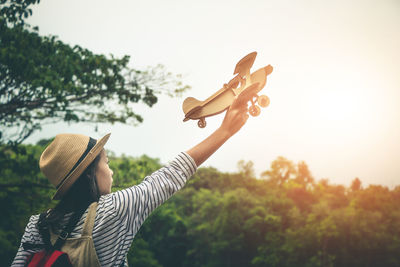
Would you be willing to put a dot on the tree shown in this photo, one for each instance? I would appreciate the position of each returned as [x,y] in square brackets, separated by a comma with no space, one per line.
[246,168]
[281,171]
[43,80]
[304,177]
[355,185]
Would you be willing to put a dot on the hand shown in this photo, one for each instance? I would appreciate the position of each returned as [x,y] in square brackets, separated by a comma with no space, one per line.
[235,117]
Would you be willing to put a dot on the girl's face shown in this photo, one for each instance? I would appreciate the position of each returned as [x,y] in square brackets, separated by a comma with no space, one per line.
[104,174]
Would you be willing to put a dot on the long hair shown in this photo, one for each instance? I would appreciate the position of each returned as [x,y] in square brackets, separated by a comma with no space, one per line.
[81,194]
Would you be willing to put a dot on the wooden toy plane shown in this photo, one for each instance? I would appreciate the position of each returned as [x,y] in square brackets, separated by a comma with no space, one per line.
[244,85]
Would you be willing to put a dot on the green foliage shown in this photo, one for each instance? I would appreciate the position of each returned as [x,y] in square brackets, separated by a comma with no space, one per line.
[129,171]
[43,80]
[16,11]
[228,219]
[143,255]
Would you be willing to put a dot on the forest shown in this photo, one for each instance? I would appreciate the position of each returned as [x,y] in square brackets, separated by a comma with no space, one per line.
[285,217]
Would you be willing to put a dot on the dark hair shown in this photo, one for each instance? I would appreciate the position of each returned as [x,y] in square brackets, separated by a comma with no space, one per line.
[81,194]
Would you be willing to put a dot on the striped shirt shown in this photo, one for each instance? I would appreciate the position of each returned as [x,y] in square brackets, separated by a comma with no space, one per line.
[120,214]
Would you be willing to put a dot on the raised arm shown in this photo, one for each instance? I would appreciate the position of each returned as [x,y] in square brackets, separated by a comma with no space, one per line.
[235,118]
[129,208]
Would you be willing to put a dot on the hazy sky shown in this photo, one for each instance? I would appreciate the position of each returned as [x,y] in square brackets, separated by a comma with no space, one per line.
[335,88]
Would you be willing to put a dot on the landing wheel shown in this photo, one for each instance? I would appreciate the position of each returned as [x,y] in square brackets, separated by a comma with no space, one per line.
[202,123]
[263,101]
[254,110]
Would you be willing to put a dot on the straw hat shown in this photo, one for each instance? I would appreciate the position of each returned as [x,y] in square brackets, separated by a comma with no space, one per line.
[65,159]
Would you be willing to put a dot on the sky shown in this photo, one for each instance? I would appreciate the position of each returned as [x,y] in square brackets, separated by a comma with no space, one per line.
[334,91]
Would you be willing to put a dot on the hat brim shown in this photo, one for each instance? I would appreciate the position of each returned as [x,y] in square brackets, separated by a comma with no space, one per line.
[76,173]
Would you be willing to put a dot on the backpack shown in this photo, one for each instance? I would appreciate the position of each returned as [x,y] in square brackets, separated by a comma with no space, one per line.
[51,255]
[45,258]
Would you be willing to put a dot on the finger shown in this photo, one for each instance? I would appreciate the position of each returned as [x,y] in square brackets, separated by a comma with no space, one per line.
[239,105]
[236,103]
[244,118]
[243,109]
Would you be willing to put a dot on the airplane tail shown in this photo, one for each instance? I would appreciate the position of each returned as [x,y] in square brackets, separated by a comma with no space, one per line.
[268,69]
[190,105]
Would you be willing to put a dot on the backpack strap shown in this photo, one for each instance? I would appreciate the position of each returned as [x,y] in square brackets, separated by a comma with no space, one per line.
[89,221]
[68,228]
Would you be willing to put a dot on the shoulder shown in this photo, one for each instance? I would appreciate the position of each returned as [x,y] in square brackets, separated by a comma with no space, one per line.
[105,208]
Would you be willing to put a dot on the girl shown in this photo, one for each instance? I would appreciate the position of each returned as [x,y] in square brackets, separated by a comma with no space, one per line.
[107,222]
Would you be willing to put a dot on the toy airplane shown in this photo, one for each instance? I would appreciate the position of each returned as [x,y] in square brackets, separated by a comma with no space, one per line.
[244,85]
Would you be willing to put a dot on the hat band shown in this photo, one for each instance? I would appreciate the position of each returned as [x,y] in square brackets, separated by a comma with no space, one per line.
[90,145]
